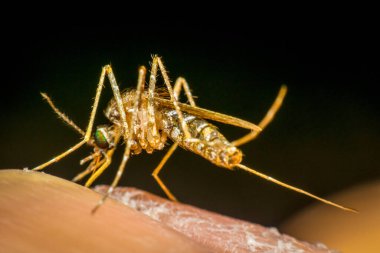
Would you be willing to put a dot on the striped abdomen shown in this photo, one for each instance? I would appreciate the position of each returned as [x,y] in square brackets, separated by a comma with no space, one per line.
[206,140]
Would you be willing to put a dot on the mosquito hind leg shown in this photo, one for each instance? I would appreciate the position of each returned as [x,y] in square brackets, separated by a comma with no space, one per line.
[87,134]
[273,180]
[266,120]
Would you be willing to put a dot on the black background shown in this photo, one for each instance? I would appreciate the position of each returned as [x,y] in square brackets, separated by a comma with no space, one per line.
[324,139]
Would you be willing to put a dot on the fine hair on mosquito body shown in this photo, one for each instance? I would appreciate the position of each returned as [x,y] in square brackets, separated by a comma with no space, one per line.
[145,118]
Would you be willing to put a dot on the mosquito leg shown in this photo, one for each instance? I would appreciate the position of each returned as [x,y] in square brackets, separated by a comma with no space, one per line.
[159,168]
[127,134]
[87,171]
[61,115]
[153,133]
[116,180]
[119,101]
[157,60]
[103,167]
[179,83]
[90,157]
[273,180]
[266,120]
[177,90]
[94,165]
[174,95]
[87,135]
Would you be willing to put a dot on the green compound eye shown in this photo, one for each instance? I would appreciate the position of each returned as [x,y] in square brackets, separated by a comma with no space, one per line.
[101,138]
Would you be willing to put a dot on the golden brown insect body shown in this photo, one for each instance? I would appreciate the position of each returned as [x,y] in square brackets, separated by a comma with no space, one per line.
[146,118]
[205,139]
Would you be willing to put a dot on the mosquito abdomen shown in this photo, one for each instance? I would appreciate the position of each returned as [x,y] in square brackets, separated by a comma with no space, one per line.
[205,141]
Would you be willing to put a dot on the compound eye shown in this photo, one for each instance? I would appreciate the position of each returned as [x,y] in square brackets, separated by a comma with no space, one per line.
[101,138]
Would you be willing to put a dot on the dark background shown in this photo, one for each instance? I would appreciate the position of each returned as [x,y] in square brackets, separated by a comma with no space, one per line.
[324,139]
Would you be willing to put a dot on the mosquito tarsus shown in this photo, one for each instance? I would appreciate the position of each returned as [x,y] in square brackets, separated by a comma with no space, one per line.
[145,119]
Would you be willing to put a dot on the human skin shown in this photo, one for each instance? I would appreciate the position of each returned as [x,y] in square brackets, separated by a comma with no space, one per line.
[43,213]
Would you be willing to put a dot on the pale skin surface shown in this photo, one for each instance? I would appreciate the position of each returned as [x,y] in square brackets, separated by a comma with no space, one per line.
[43,213]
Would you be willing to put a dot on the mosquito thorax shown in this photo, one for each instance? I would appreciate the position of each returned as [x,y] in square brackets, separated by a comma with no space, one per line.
[112,112]
[103,137]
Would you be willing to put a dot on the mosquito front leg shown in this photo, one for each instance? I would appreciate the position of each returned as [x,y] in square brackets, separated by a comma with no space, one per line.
[266,120]
[98,165]
[104,165]
[127,133]
[95,164]
[119,101]
[87,135]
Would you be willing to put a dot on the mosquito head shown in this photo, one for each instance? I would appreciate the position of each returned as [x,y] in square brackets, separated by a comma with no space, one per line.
[104,137]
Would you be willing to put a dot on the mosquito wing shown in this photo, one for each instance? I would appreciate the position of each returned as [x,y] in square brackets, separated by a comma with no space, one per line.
[211,115]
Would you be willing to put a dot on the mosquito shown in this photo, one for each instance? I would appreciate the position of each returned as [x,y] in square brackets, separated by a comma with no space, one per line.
[145,120]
